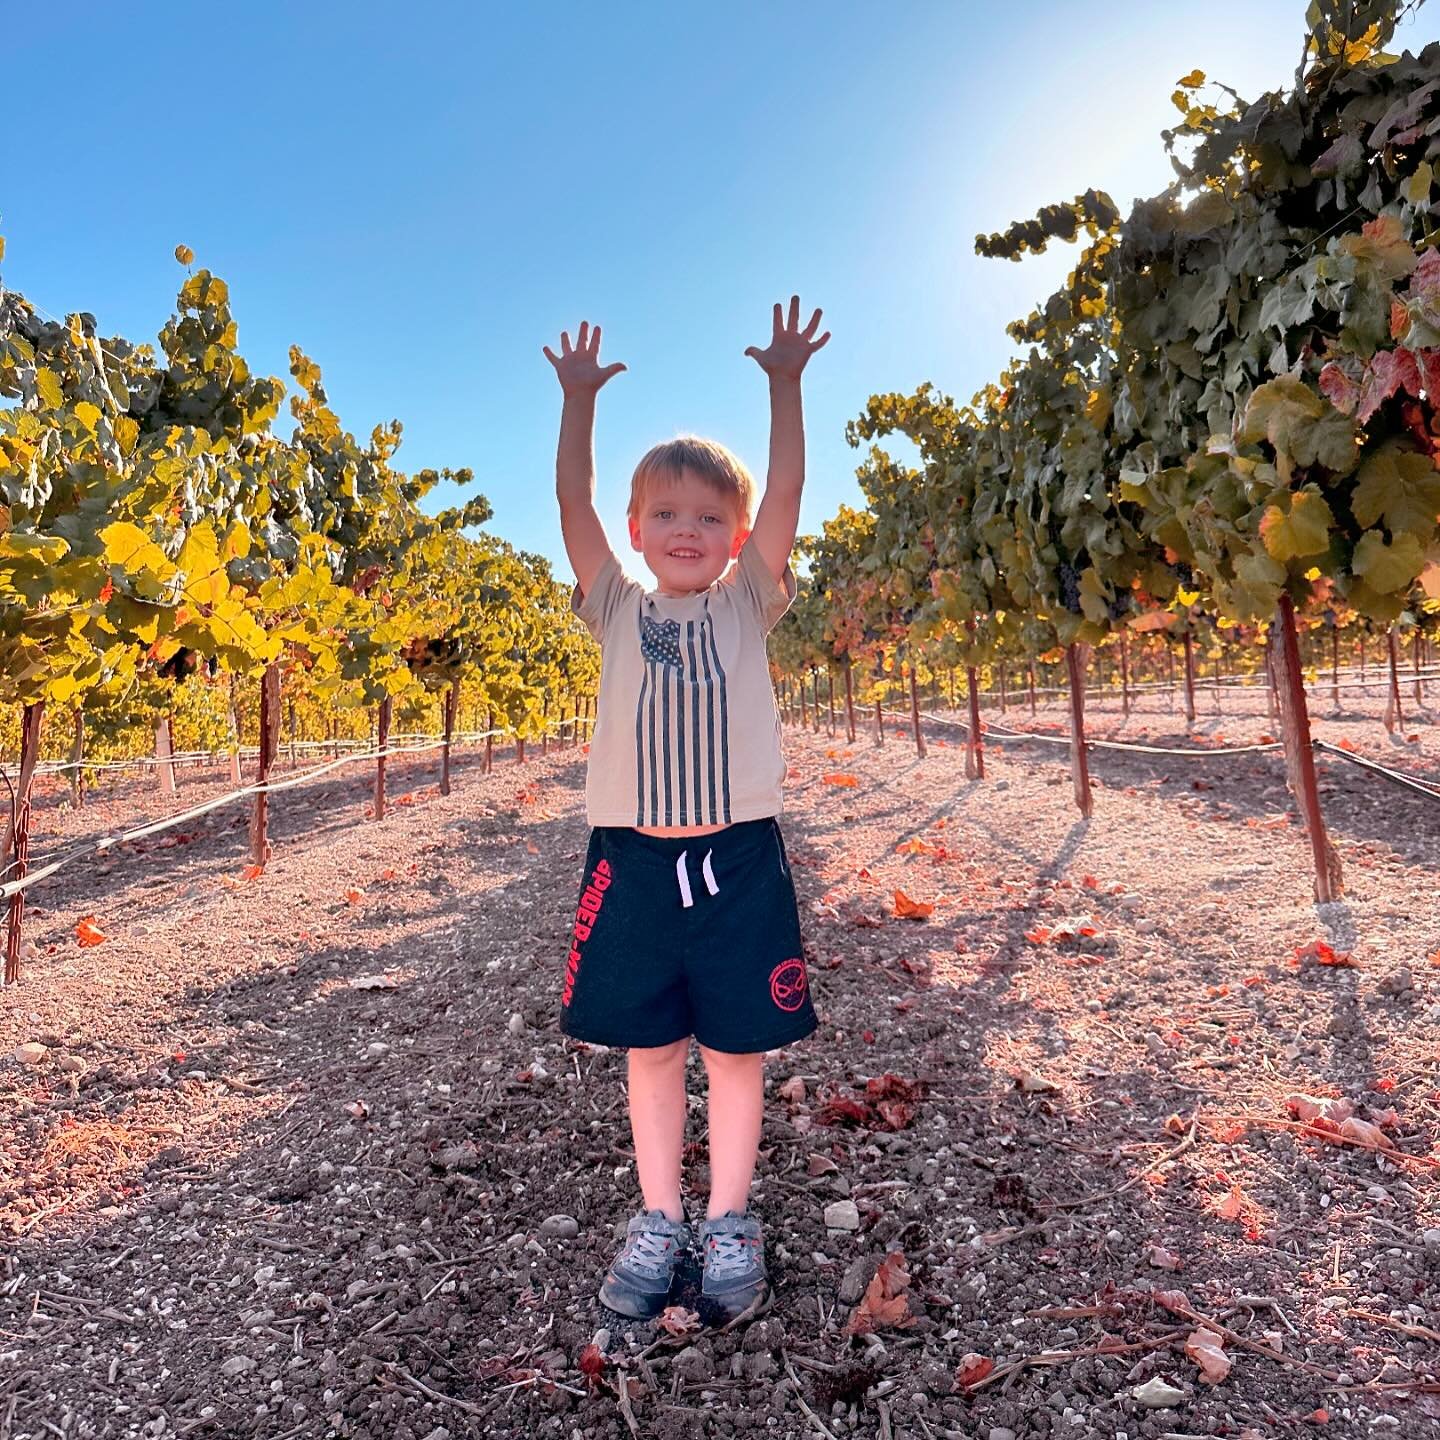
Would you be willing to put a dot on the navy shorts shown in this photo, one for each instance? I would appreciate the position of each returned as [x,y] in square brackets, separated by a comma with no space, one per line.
[687,935]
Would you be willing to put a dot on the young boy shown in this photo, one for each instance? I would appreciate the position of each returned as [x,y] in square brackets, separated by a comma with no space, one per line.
[687,922]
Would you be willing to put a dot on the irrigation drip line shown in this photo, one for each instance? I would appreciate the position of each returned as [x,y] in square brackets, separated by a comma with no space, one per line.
[57,860]
[1424,787]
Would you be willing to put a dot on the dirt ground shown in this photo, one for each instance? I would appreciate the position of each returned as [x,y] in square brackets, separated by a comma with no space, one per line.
[306,1155]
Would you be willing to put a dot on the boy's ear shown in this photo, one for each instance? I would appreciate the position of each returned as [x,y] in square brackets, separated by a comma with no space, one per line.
[634,532]
[741,536]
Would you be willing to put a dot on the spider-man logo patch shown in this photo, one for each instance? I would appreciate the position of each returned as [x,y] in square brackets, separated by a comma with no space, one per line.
[788,984]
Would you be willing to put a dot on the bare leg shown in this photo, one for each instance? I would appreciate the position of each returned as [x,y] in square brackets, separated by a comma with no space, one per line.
[737,1104]
[657,1121]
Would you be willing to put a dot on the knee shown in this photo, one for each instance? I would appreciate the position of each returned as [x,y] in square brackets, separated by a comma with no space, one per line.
[726,1062]
[673,1054]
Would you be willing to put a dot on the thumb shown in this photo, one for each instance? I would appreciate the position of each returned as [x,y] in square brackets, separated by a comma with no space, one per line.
[610,370]
[753,351]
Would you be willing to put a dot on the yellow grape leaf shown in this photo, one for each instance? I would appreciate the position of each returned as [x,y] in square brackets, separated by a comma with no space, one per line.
[47,383]
[127,431]
[1304,530]
[87,414]
[184,254]
[1193,81]
[133,550]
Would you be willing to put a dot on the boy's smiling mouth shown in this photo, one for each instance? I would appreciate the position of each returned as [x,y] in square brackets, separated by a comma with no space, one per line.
[684,554]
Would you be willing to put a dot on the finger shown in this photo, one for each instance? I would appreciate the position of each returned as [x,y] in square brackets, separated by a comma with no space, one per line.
[794,312]
[595,341]
[814,321]
[779,318]
[819,342]
[550,356]
[584,326]
[564,342]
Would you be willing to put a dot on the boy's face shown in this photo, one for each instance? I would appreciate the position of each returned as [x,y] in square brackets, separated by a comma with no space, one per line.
[688,533]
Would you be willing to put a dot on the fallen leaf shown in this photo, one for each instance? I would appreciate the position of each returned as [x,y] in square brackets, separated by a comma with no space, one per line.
[840,779]
[1157,1394]
[353,896]
[358,1108]
[252,872]
[1161,1258]
[885,1304]
[1323,954]
[914,846]
[677,1320]
[972,1369]
[1206,1349]
[1319,1107]
[908,909]
[88,933]
[792,1090]
[1362,1132]
[1033,1084]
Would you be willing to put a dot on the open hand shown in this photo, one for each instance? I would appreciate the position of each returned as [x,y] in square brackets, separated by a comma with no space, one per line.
[790,347]
[579,369]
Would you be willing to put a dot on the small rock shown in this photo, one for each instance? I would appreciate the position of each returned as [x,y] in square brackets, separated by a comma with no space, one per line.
[517,1024]
[1157,1394]
[560,1227]
[1001,1432]
[1431,1241]
[73,1063]
[855,1279]
[237,1365]
[376,1050]
[31,1053]
[693,1365]
[842,1215]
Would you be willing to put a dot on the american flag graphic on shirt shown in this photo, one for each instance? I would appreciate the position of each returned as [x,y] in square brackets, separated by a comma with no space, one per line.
[682,721]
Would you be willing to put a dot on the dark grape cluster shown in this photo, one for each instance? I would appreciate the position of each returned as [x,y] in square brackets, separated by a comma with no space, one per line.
[1070,588]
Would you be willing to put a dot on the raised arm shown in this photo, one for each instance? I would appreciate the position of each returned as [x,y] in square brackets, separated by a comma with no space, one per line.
[784,360]
[581,377]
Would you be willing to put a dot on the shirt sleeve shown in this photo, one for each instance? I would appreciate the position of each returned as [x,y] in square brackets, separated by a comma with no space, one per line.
[766,599]
[608,592]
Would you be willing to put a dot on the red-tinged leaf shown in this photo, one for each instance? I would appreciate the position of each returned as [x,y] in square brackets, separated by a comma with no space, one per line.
[1090,882]
[868,1036]
[178,1057]
[908,909]
[1206,1349]
[1175,1301]
[354,896]
[1385,1083]
[1319,1415]
[1161,1258]
[972,1369]
[1252,982]
[1348,744]
[591,1363]
[1323,954]
[389,874]
[1399,325]
[1313,1108]
[88,933]
[677,1320]
[849,781]
[531,848]
[1233,1206]
[886,1303]
[1387,372]
[1362,1132]
[913,846]
[844,1111]
[252,872]
[862,921]
[1039,935]
[107,590]
[863,873]
[1337,387]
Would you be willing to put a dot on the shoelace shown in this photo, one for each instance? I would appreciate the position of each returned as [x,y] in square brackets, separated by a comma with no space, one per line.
[730,1254]
[650,1252]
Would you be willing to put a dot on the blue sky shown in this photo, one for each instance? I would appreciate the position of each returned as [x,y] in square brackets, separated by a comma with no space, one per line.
[422,196]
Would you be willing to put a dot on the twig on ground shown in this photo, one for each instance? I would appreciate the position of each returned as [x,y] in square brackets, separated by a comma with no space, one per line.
[436,1395]
[622,1392]
[800,1396]
[1420,1332]
[1170,1155]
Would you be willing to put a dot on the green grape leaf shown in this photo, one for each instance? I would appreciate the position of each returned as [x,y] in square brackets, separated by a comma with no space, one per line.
[1301,424]
[1299,527]
[1402,487]
[1386,568]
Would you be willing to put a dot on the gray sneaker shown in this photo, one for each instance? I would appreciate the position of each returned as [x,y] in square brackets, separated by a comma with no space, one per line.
[642,1276]
[734,1280]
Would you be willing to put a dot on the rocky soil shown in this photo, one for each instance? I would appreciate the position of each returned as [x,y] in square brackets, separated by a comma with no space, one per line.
[306,1154]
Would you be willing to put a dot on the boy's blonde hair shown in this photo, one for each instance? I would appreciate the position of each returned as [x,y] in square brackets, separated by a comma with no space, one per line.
[710,460]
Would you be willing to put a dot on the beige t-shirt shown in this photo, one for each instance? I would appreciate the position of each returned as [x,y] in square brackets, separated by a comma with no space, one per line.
[686,729]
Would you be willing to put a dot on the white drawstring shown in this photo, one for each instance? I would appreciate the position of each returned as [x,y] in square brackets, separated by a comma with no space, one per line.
[683,876]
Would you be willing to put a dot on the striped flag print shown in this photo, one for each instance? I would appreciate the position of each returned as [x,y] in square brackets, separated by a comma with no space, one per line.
[682,718]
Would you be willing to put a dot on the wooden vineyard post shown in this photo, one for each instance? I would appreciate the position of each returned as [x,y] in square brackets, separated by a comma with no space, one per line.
[1030,677]
[290,728]
[545,726]
[849,701]
[1300,754]
[1079,761]
[815,697]
[452,706]
[163,752]
[1125,674]
[1272,679]
[1393,714]
[489,740]
[1415,660]
[1004,688]
[1170,671]
[804,707]
[830,697]
[260,848]
[1335,667]
[1189,679]
[382,743]
[519,749]
[950,678]
[974,740]
[77,760]
[17,842]
[879,723]
[915,716]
